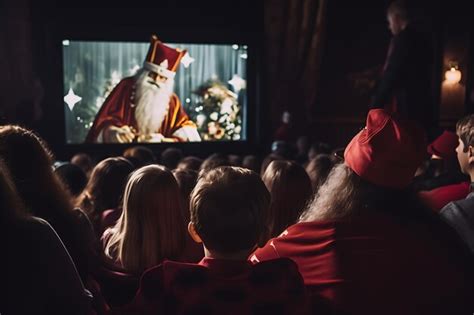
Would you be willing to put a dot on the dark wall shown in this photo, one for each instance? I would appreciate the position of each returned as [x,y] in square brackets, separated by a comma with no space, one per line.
[355,49]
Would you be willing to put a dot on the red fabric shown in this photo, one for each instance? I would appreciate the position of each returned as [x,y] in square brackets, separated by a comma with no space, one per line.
[285,132]
[108,219]
[118,110]
[375,266]
[437,198]
[375,153]
[216,286]
[158,52]
[444,146]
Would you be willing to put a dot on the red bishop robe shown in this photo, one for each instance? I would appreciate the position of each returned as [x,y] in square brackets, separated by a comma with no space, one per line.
[118,110]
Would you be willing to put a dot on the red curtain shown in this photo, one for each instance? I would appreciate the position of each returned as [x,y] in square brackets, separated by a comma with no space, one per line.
[294,34]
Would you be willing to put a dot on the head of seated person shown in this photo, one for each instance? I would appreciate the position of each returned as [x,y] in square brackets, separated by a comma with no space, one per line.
[151,227]
[186,179]
[190,163]
[212,161]
[139,155]
[318,170]
[30,163]
[252,162]
[373,178]
[104,189]
[72,176]
[465,147]
[84,161]
[228,209]
[290,189]
[171,157]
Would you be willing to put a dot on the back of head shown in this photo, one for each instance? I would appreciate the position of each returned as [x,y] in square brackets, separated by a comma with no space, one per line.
[342,196]
[30,164]
[267,160]
[171,157]
[73,177]
[290,189]
[400,9]
[302,144]
[84,161]
[235,160]
[251,162]
[142,155]
[11,207]
[318,148]
[105,187]
[187,180]
[228,209]
[213,161]
[190,163]
[151,227]
[25,154]
[380,164]
[282,148]
[318,169]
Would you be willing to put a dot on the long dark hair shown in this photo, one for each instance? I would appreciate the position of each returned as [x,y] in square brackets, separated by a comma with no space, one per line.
[30,164]
[11,207]
[105,188]
[29,161]
[290,188]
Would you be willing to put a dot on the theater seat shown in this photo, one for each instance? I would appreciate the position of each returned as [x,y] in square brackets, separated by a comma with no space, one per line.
[118,288]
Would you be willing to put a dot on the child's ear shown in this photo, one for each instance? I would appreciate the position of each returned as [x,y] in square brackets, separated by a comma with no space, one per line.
[470,154]
[193,233]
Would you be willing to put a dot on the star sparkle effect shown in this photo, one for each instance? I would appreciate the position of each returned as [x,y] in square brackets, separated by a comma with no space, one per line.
[187,60]
[237,83]
[71,99]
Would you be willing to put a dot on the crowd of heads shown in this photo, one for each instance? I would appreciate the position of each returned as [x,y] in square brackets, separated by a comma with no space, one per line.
[145,209]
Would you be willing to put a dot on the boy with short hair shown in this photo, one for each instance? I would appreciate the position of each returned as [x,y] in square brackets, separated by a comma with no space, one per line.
[460,214]
[228,209]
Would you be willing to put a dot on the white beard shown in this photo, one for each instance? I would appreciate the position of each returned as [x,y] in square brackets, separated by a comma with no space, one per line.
[152,103]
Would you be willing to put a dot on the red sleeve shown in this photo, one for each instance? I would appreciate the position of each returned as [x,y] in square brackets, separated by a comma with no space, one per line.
[176,119]
[266,252]
[437,198]
[150,295]
[116,110]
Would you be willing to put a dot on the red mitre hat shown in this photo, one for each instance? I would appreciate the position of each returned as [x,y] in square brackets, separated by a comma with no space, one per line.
[444,146]
[163,59]
[387,151]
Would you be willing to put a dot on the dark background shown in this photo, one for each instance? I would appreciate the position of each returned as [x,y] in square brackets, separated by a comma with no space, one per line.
[325,105]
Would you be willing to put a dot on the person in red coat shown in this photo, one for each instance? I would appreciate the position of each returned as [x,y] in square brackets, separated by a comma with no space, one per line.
[143,108]
[367,246]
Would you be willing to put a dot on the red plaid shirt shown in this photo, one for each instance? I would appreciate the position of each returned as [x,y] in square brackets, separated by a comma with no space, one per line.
[216,286]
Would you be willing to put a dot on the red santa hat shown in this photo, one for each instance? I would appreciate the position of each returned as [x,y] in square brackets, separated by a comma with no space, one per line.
[387,151]
[444,146]
[163,59]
